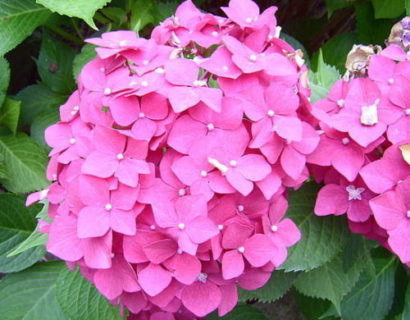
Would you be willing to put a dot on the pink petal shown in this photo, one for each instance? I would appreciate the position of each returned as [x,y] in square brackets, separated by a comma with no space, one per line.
[93,222]
[201,229]
[143,129]
[99,164]
[124,110]
[174,75]
[253,167]
[159,251]
[123,222]
[232,264]
[187,268]
[238,181]
[259,250]
[182,98]
[292,162]
[331,199]
[201,298]
[154,279]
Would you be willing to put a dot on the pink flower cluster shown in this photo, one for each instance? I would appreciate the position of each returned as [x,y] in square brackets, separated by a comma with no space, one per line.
[363,125]
[170,164]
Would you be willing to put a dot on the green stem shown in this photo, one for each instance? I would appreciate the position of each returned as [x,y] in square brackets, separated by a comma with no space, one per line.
[100,18]
[76,28]
[66,35]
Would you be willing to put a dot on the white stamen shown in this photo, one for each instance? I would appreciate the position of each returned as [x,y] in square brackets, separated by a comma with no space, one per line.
[179,251]
[102,69]
[108,206]
[241,249]
[72,141]
[270,37]
[43,194]
[278,30]
[221,167]
[369,115]
[141,115]
[132,83]
[220,226]
[225,68]
[274,228]
[248,20]
[210,126]
[214,33]
[354,193]
[199,83]
[345,140]
[340,103]
[202,277]
[73,112]
[112,255]
[271,113]
[233,163]
[76,108]
[107,91]
[181,226]
[160,70]
[54,176]
[253,57]
[240,208]
[408,213]
[407,112]
[146,62]
[152,227]
[123,43]
[144,83]
[204,173]
[120,156]
[390,81]
[181,192]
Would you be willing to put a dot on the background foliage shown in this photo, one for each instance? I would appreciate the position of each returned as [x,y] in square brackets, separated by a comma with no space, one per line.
[331,274]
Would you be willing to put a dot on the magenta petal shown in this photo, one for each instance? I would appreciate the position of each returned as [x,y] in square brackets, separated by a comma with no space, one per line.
[154,279]
[174,75]
[350,168]
[98,251]
[123,222]
[292,162]
[201,298]
[124,110]
[366,135]
[237,180]
[289,128]
[159,251]
[387,210]
[259,249]
[331,199]
[212,97]
[254,167]
[93,222]
[399,242]
[201,229]
[187,268]
[185,132]
[229,299]
[232,264]
[100,164]
[182,98]
[143,129]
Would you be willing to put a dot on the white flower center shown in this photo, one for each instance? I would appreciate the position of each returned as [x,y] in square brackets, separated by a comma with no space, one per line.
[199,83]
[210,126]
[345,140]
[390,81]
[202,277]
[354,193]
[107,91]
[369,116]
[132,83]
[271,113]
[76,108]
[248,20]
[108,206]
[220,226]
[181,226]
[181,192]
[204,173]
[43,194]
[160,70]
[120,156]
[225,68]
[141,115]
[408,213]
[72,141]
[241,249]
[152,227]
[240,208]
[102,69]
[274,228]
[144,83]
[221,167]
[214,33]
[123,43]
[233,163]
[340,103]
[146,62]
[179,251]
[407,112]
[253,57]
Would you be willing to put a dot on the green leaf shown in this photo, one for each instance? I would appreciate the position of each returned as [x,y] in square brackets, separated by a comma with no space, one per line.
[312,308]
[16,224]
[30,294]
[80,300]
[141,14]
[86,55]
[329,281]
[164,10]
[407,4]
[388,9]
[406,311]
[18,19]
[241,312]
[322,80]
[35,239]
[372,297]
[35,99]
[369,30]
[9,114]
[42,120]
[333,5]
[25,163]
[4,78]
[55,64]
[322,237]
[358,249]
[76,8]
[279,283]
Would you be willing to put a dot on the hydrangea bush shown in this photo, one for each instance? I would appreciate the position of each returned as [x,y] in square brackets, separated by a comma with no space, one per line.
[193,166]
